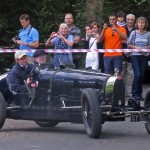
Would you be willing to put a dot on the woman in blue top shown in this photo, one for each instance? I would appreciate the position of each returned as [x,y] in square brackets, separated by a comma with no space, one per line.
[139,39]
[61,40]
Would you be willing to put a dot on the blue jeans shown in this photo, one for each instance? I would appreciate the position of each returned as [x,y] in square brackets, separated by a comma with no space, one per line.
[62,59]
[112,63]
[138,65]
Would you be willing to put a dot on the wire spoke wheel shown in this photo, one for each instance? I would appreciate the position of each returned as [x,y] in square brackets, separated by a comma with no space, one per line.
[88,114]
[91,113]
[147,124]
[147,105]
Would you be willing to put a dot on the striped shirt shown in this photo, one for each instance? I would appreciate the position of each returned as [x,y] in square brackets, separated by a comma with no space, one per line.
[141,40]
[121,24]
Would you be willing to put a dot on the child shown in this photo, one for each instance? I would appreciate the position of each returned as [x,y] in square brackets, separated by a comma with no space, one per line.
[121,18]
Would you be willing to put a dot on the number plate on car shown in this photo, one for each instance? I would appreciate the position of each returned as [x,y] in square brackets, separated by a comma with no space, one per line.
[137,117]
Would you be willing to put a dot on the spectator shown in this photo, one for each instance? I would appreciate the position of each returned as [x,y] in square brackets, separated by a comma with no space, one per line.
[28,37]
[92,58]
[139,38]
[76,33]
[87,31]
[61,40]
[127,71]
[72,29]
[121,19]
[18,76]
[112,37]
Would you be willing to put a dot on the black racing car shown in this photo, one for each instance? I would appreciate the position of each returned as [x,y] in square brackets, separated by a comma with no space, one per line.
[76,96]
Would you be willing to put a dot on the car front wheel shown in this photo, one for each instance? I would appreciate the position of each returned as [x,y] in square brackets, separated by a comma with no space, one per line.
[91,113]
[147,105]
[147,124]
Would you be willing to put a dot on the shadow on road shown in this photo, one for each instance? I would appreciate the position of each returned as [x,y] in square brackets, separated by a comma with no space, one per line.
[46,129]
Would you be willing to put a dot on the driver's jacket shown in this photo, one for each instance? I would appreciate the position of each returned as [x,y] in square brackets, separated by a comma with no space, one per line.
[17,76]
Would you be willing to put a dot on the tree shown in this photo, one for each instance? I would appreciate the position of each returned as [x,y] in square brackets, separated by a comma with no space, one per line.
[137,7]
[94,10]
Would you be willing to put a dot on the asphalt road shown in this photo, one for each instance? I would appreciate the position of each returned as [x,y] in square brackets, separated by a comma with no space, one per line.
[26,135]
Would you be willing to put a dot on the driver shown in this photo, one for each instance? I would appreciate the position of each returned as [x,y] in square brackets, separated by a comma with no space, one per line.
[39,56]
[19,76]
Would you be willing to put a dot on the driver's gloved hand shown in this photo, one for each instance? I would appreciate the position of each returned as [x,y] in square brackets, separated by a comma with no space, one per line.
[29,81]
[34,84]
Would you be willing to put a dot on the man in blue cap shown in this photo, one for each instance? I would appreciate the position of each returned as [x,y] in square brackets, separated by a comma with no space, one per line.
[41,59]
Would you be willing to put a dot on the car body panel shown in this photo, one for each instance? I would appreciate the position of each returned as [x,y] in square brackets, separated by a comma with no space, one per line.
[58,95]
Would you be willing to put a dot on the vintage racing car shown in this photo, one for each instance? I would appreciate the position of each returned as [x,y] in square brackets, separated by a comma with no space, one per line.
[76,96]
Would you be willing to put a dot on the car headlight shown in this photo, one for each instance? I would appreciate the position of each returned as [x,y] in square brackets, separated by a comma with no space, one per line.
[114,92]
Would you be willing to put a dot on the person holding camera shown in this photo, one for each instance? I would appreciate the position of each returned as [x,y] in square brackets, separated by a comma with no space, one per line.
[61,40]
[28,37]
[91,42]
[112,36]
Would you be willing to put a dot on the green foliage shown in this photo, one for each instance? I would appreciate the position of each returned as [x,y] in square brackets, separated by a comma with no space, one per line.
[79,13]
[50,16]
[6,61]
[9,14]
[136,7]
[46,15]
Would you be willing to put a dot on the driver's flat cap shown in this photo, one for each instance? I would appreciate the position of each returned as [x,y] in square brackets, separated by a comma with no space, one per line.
[19,54]
[39,52]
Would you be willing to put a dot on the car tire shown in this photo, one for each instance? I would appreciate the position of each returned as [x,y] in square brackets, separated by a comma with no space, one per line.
[91,113]
[147,103]
[47,123]
[3,110]
[147,124]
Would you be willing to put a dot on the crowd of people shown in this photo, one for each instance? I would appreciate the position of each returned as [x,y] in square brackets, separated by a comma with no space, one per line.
[121,32]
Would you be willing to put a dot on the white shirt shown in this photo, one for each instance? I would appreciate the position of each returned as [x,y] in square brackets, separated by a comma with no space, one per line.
[92,58]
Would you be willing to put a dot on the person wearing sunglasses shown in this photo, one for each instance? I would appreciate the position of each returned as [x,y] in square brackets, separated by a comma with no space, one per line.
[112,36]
[39,56]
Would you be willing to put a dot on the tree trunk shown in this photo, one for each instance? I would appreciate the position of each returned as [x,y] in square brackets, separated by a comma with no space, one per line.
[94,11]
